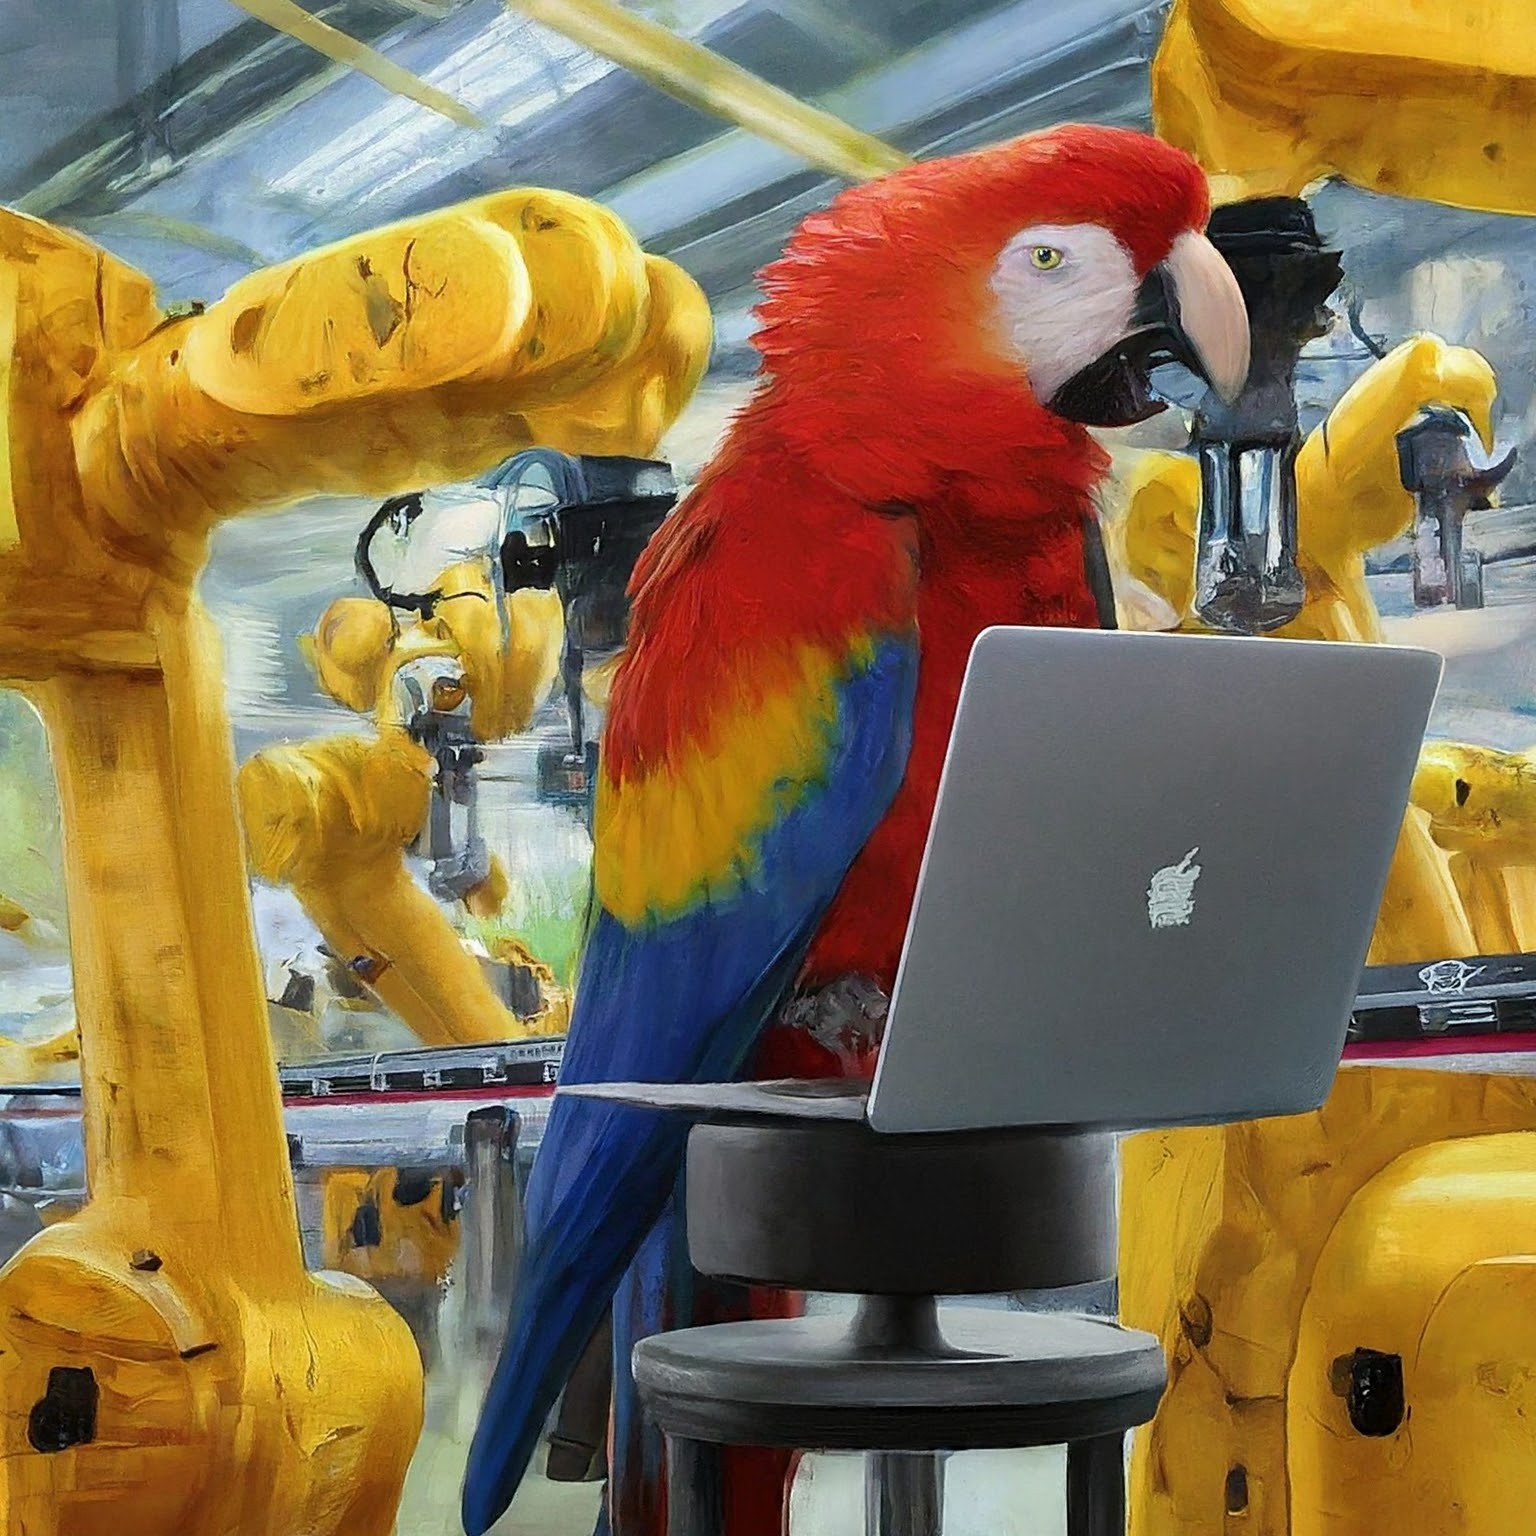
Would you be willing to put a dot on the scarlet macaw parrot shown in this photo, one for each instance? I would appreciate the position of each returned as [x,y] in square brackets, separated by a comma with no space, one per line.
[915,467]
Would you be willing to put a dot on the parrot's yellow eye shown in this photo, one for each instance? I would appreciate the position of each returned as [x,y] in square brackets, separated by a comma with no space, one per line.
[1046,257]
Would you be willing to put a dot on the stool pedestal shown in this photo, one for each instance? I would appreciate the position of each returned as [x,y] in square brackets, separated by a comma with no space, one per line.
[904,1493]
[787,1186]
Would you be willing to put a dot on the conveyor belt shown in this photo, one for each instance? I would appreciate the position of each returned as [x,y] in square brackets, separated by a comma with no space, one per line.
[396,1109]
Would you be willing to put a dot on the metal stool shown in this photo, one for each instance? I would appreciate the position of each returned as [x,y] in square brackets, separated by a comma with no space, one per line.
[794,1199]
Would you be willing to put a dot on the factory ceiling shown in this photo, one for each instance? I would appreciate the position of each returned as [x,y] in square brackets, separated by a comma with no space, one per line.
[198,142]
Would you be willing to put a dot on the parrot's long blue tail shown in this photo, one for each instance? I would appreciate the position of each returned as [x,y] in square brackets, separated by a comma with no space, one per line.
[603,1175]
[602,1178]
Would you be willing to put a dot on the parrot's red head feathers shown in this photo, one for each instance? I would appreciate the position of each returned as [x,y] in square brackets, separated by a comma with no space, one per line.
[1000,297]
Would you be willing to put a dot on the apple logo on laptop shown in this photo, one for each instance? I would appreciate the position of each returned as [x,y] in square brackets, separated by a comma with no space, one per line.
[1171,895]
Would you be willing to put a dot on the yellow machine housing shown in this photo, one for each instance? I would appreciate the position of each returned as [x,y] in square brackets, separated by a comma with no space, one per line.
[1419,98]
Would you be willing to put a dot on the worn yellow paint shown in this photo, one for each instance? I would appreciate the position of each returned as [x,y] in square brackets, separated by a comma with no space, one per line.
[446,344]
[1152,540]
[10,292]
[416,1243]
[510,663]
[237,1391]
[1422,911]
[1433,1260]
[1273,95]
[716,796]
[1479,800]
[1479,806]
[220,1361]
[1248,1250]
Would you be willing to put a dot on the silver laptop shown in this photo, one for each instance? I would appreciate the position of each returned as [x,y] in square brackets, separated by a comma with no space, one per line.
[1150,884]
[1151,879]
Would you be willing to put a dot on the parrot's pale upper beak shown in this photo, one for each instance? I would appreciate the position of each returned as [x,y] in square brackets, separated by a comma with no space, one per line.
[1208,314]
[1190,312]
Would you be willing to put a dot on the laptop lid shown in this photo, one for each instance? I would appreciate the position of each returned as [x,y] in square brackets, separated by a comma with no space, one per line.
[1151,879]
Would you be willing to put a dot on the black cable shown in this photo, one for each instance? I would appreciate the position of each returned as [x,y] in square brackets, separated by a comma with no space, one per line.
[408,506]
[1352,312]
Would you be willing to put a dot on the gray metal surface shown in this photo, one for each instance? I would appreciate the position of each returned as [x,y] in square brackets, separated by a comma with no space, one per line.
[992,1358]
[823,1207]
[788,1100]
[1036,990]
[42,1150]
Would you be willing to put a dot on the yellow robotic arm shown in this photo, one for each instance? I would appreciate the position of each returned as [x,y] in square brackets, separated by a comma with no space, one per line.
[1350,499]
[166,1363]
[1480,806]
[332,818]
[443,344]
[509,664]
[1349,491]
[1298,1262]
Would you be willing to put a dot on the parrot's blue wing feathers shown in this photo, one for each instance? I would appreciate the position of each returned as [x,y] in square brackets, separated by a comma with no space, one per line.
[679,997]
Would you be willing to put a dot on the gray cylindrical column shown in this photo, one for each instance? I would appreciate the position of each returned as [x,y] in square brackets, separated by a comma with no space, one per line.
[903,1493]
[834,1206]
[695,1506]
[490,1226]
[1096,1486]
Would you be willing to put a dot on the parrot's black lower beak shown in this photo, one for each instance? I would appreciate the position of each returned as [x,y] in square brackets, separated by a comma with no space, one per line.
[1115,390]
[1190,314]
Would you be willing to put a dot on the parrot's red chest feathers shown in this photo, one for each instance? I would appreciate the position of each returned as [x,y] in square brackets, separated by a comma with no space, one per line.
[1038,579]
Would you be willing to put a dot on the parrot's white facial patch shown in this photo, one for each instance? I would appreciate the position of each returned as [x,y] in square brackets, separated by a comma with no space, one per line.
[1065,295]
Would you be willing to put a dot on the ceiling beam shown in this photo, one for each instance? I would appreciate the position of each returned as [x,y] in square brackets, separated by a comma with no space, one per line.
[291,19]
[700,78]
[248,73]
